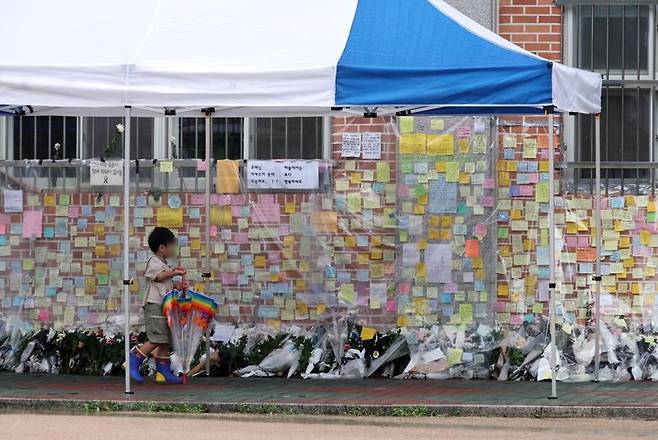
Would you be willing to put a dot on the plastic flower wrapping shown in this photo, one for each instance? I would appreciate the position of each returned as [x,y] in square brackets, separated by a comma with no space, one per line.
[340,347]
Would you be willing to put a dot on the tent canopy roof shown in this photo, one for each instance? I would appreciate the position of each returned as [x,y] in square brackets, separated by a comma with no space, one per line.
[265,58]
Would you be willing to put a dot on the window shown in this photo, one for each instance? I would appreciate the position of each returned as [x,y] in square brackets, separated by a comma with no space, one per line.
[34,137]
[287,138]
[101,138]
[227,138]
[618,41]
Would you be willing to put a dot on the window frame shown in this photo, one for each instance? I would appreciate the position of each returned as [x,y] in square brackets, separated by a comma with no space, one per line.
[646,81]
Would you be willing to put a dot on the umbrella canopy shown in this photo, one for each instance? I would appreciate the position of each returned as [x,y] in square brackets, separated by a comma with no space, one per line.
[263,57]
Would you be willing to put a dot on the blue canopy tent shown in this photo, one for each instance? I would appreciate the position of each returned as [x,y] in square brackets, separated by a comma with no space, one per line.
[264,58]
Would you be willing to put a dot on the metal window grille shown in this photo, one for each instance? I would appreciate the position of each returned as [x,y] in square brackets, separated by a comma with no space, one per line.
[618,41]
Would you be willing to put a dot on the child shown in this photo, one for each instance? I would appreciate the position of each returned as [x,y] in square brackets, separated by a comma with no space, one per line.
[159,279]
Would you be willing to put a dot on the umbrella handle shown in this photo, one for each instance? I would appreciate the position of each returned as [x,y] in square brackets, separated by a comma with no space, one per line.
[183,282]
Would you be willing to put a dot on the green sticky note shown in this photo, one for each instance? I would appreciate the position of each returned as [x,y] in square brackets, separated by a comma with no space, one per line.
[651,217]
[420,190]
[406,124]
[383,172]
[503,233]
[347,293]
[64,199]
[406,167]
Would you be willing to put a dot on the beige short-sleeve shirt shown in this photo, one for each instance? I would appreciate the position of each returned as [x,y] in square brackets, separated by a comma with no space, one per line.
[155,291]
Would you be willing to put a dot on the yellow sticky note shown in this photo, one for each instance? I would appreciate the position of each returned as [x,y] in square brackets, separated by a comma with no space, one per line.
[290,208]
[437,124]
[376,254]
[166,166]
[170,217]
[455,356]
[413,144]
[441,144]
[355,178]
[228,177]
[367,333]
[452,172]
[102,268]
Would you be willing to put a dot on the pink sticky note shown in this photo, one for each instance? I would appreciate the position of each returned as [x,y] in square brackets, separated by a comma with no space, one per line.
[238,199]
[404,288]
[489,183]
[222,199]
[480,231]
[74,211]
[267,198]
[500,307]
[3,229]
[572,242]
[241,237]
[516,319]
[487,201]
[201,165]
[32,224]
[583,241]
[44,315]
[266,213]
[198,199]
[213,231]
[391,305]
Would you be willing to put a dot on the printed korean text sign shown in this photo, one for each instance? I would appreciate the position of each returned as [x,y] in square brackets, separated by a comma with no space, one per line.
[282,174]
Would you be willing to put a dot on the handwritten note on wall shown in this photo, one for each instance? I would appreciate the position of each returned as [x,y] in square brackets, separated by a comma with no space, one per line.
[106,173]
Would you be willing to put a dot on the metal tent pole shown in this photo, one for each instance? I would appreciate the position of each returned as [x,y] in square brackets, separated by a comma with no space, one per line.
[551,247]
[599,239]
[126,244]
[207,273]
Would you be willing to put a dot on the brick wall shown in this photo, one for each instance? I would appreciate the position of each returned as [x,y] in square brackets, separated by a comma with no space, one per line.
[535,25]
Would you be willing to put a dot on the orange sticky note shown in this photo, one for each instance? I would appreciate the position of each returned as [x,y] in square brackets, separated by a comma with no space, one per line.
[472,248]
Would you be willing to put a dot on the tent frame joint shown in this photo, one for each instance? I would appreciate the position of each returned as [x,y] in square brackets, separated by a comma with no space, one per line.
[208,111]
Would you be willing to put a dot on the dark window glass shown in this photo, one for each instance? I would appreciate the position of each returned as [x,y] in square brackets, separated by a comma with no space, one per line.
[287,138]
[614,38]
[625,130]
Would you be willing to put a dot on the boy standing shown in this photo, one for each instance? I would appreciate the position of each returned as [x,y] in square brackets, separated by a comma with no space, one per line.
[159,281]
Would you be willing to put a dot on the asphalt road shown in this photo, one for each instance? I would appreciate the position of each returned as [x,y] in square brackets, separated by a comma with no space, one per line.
[196,427]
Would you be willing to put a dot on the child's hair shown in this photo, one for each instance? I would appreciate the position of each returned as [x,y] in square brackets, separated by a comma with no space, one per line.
[160,237]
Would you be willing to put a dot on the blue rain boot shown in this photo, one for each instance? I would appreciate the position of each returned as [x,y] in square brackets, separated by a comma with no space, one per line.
[136,360]
[163,374]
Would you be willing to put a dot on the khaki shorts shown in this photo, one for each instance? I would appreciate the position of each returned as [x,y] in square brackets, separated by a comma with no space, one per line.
[157,329]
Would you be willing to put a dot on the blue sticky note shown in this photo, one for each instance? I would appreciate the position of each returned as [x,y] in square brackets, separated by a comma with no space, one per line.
[508,153]
[446,298]
[173,201]
[195,213]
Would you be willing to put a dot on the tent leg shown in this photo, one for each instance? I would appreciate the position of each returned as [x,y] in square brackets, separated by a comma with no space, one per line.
[126,245]
[551,239]
[597,225]
[207,273]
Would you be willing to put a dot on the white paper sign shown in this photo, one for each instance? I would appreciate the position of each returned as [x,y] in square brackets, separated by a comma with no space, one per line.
[282,174]
[13,200]
[371,145]
[438,258]
[106,173]
[351,146]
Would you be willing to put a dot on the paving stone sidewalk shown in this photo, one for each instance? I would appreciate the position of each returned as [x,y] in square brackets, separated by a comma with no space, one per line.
[336,397]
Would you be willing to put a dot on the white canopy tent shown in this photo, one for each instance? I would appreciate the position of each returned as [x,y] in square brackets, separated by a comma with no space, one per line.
[264,58]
